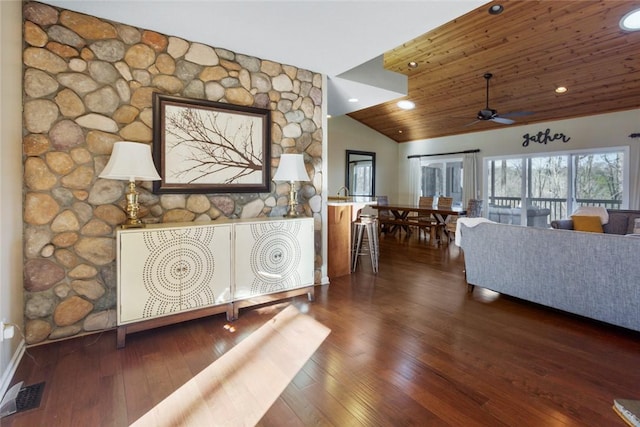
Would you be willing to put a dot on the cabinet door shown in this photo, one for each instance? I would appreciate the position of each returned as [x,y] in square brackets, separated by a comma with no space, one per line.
[273,256]
[168,270]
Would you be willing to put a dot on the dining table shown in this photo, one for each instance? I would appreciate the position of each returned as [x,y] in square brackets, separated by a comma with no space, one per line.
[400,216]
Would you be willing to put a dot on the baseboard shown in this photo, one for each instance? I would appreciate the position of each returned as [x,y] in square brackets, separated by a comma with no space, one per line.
[7,375]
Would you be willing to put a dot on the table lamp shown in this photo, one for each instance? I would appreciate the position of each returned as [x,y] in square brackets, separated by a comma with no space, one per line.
[291,169]
[131,161]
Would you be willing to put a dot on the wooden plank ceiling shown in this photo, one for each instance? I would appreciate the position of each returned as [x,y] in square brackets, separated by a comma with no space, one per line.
[530,48]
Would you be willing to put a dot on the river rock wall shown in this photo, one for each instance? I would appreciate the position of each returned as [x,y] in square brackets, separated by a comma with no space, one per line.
[88,83]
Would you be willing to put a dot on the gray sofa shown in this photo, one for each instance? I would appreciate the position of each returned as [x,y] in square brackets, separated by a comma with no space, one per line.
[595,275]
[620,222]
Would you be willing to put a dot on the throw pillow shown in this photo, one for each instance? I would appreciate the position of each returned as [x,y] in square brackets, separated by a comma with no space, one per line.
[593,210]
[587,223]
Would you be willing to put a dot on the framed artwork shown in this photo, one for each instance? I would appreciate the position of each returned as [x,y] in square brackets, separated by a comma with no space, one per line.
[202,146]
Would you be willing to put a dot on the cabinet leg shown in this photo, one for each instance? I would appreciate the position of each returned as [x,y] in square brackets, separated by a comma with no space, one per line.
[231,313]
[311,295]
[120,336]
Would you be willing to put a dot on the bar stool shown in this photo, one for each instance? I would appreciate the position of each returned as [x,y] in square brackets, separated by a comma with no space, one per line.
[365,241]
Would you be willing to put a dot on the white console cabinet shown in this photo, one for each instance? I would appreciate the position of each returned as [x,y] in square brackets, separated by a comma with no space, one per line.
[271,258]
[170,273]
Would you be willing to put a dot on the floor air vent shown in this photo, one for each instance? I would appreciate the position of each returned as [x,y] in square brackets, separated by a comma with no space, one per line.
[29,397]
[19,399]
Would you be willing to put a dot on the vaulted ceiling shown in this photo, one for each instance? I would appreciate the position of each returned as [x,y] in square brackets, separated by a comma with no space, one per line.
[531,48]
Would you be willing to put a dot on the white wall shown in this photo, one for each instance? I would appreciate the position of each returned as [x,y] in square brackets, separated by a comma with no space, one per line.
[346,133]
[10,184]
[606,130]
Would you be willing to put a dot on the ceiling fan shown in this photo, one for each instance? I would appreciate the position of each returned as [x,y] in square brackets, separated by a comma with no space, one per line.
[489,114]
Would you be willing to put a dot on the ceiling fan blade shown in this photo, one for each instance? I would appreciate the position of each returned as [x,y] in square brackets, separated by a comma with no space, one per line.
[503,120]
[472,123]
[517,114]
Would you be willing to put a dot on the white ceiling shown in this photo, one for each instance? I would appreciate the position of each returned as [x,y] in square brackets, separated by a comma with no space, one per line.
[330,36]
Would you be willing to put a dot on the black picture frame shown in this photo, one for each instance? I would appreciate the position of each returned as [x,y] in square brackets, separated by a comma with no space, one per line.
[202,146]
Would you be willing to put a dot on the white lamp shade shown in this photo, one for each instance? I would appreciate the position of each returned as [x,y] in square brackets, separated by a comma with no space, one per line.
[291,168]
[130,161]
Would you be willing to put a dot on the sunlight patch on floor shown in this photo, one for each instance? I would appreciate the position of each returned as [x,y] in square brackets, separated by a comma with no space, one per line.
[239,387]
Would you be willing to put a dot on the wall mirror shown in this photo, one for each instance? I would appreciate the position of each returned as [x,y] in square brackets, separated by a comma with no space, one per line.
[360,177]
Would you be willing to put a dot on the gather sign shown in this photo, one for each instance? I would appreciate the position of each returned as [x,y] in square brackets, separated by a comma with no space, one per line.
[543,137]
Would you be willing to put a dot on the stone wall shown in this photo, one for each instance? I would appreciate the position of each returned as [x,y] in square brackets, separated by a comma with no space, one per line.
[88,82]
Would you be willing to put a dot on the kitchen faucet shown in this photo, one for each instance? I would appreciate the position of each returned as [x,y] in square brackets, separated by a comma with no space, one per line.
[346,191]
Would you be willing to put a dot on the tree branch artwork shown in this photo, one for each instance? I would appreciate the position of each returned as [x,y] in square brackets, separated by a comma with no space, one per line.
[211,148]
[211,144]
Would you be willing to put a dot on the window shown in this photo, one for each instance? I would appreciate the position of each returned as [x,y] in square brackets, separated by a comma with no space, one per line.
[553,186]
[598,179]
[442,178]
[362,178]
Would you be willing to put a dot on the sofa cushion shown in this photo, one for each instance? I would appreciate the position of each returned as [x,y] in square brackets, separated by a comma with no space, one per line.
[590,223]
[620,222]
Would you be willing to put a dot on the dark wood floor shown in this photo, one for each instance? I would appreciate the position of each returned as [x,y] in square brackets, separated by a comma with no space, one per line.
[409,346]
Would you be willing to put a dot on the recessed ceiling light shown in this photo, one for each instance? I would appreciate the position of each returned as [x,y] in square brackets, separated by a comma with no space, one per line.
[353,99]
[561,89]
[631,21]
[412,64]
[406,104]
[496,9]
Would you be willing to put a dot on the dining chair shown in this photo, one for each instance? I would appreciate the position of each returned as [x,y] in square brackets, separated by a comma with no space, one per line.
[440,229]
[445,202]
[424,222]
[384,215]
[474,210]
[425,201]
